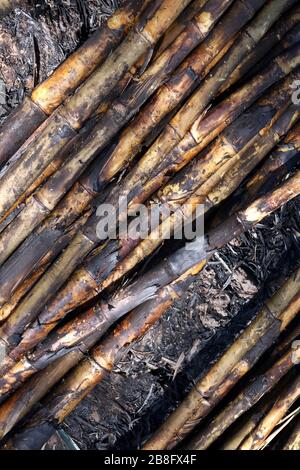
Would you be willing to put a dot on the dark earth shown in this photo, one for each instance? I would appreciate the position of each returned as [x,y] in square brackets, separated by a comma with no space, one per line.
[155,374]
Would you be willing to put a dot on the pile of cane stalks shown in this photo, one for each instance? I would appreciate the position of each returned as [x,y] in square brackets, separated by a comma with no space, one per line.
[173,103]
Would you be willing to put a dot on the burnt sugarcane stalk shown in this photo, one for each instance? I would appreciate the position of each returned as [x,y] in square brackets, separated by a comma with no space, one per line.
[21,402]
[293,442]
[64,124]
[69,336]
[164,66]
[289,40]
[251,158]
[246,399]
[95,320]
[230,368]
[110,350]
[66,152]
[10,278]
[118,258]
[47,96]
[102,359]
[217,188]
[42,203]
[101,271]
[268,43]
[285,343]
[178,26]
[79,196]
[257,439]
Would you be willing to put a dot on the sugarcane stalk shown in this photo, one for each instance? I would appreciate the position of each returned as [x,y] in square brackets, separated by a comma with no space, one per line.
[289,40]
[267,44]
[70,117]
[96,319]
[10,273]
[257,438]
[251,158]
[292,336]
[178,26]
[68,149]
[176,89]
[174,266]
[47,96]
[293,442]
[9,282]
[139,321]
[230,368]
[88,281]
[128,255]
[102,359]
[237,16]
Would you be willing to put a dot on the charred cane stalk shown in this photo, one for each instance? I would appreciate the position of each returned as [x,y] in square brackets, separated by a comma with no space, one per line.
[184,119]
[245,427]
[281,161]
[224,113]
[44,264]
[293,442]
[266,45]
[178,26]
[179,86]
[169,97]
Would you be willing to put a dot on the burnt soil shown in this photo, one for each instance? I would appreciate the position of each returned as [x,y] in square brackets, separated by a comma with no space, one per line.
[154,375]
